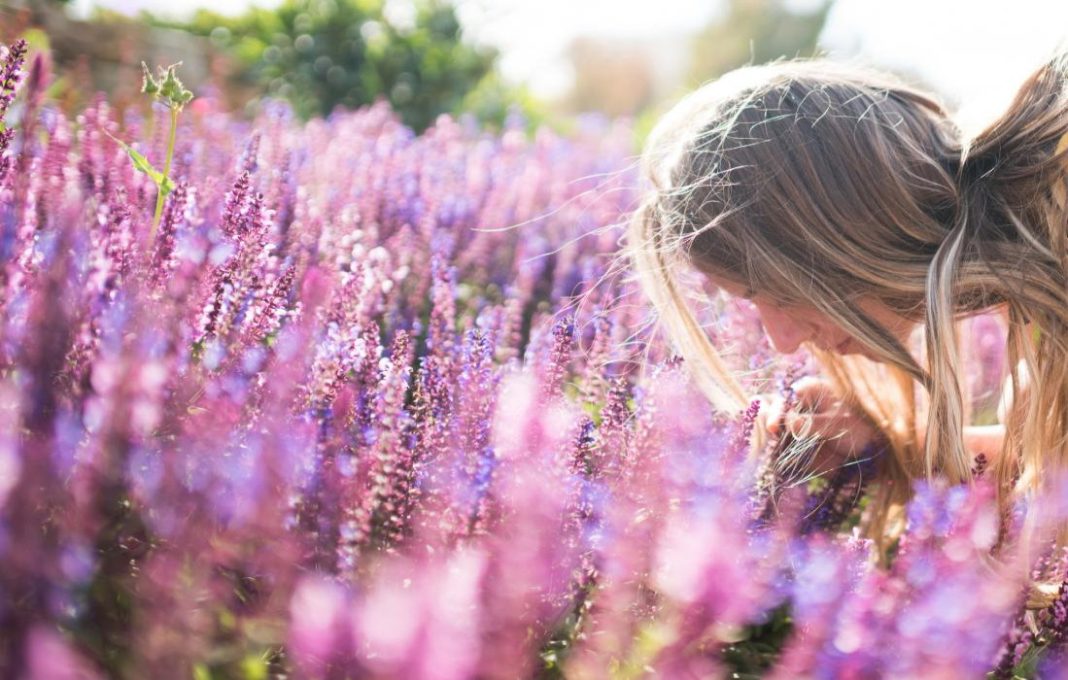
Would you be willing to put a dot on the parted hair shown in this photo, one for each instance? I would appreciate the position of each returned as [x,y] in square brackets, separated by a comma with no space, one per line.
[819,182]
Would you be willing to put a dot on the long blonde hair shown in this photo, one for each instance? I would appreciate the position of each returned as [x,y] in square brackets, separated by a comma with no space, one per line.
[816,182]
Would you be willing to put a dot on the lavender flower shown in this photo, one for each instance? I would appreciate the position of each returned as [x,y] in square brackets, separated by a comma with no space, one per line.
[10,74]
[326,428]
[559,357]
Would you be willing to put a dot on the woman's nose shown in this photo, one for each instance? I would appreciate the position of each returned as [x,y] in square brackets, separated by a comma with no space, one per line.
[785,334]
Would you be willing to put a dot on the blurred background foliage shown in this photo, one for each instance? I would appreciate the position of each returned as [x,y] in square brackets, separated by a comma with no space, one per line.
[324,54]
[756,31]
[321,54]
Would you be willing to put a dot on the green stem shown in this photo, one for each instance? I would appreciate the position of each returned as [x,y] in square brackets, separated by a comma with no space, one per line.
[166,174]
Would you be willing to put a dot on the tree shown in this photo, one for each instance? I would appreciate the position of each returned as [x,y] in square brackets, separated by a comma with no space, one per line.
[321,54]
[755,31]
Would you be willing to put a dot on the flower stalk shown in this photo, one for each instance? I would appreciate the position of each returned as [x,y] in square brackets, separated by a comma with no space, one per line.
[167,89]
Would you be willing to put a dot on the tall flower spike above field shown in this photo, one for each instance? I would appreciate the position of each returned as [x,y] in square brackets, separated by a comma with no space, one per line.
[167,89]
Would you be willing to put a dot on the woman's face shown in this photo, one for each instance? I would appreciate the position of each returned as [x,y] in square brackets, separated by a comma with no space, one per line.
[788,327]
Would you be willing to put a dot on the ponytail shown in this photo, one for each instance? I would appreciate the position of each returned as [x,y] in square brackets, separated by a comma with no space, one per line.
[1008,246]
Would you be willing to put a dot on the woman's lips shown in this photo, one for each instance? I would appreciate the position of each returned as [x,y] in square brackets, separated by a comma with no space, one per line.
[842,346]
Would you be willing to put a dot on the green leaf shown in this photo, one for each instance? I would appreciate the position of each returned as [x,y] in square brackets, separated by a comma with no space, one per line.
[142,165]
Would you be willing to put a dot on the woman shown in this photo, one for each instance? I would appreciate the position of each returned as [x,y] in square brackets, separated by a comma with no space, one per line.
[849,207]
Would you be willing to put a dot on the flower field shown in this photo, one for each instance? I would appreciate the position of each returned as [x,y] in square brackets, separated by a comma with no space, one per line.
[375,405]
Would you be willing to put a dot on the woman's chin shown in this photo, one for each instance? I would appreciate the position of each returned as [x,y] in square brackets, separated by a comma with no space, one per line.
[849,347]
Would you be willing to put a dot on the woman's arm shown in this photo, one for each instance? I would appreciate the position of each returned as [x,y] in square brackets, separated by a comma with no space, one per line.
[988,439]
[821,413]
[984,439]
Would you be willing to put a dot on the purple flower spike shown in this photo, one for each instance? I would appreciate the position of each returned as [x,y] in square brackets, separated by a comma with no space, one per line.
[11,74]
[559,357]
